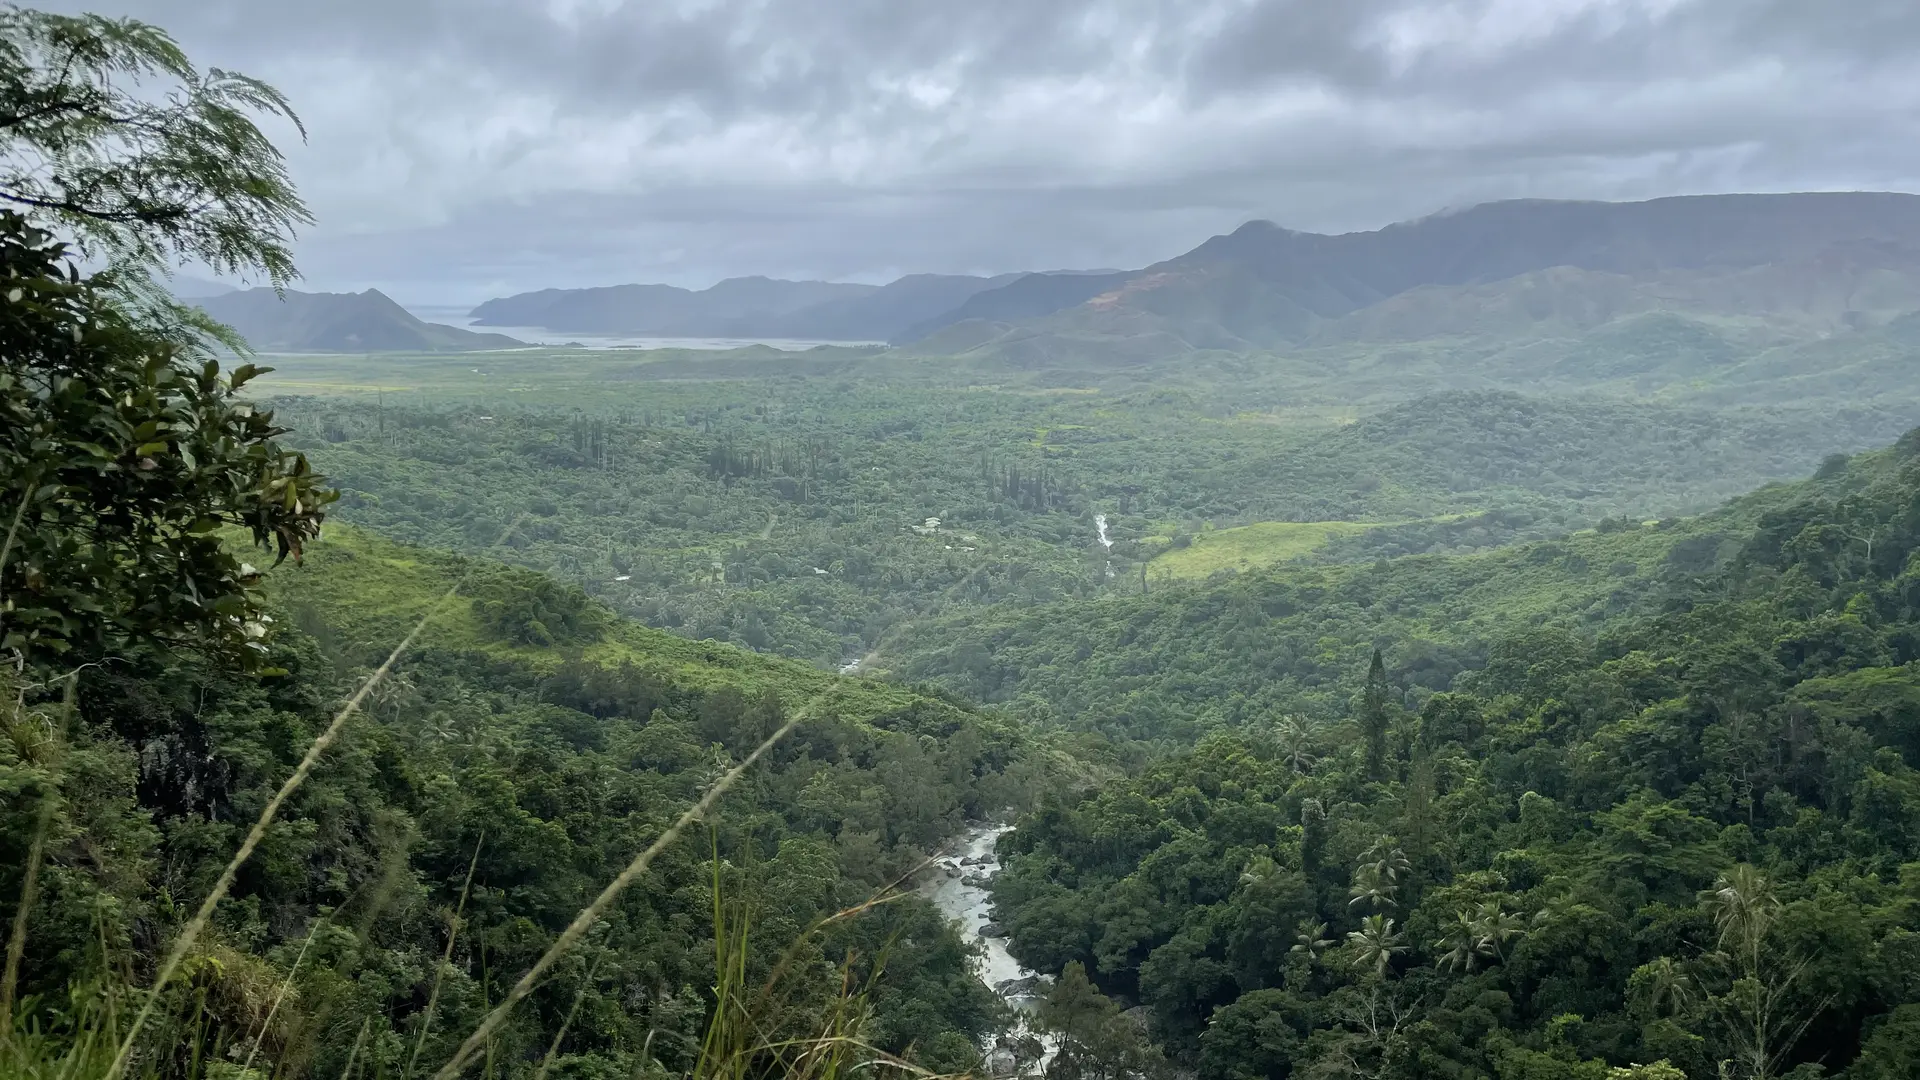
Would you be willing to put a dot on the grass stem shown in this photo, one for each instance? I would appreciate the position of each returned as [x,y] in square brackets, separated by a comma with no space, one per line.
[592,912]
[190,934]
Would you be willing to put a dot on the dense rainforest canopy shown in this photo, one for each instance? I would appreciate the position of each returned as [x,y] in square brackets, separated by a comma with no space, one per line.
[1523,709]
[1693,836]
[159,701]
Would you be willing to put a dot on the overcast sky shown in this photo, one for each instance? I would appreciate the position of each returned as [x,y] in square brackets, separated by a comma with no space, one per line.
[466,148]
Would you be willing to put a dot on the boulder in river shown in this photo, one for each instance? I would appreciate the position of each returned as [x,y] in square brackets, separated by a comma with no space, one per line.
[1025,986]
[993,930]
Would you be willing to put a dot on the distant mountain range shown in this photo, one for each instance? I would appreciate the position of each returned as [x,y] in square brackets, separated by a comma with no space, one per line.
[1795,265]
[1756,268]
[339,323]
[665,310]
[754,307]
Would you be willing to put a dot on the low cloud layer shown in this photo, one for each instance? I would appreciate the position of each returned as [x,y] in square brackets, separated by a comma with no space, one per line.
[467,148]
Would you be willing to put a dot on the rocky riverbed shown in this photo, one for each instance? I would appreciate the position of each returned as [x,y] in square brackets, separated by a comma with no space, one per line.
[957,884]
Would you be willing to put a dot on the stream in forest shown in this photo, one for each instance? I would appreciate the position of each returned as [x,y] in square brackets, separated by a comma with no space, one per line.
[957,883]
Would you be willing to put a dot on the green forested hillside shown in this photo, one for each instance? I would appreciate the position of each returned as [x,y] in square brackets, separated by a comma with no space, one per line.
[1186,657]
[538,739]
[1345,641]
[788,514]
[1689,834]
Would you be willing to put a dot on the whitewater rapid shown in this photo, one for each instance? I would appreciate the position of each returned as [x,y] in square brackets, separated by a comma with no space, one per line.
[957,885]
[971,904]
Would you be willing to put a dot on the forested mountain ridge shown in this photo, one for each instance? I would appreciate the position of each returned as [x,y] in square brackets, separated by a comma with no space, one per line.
[1693,836]
[290,321]
[1263,285]
[742,307]
[881,315]
[662,309]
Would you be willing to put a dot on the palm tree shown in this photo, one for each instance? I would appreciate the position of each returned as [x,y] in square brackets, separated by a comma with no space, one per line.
[1461,943]
[1388,862]
[1259,869]
[1310,940]
[1375,944]
[1760,1013]
[1662,984]
[1743,907]
[1294,741]
[392,695]
[1371,887]
[1493,928]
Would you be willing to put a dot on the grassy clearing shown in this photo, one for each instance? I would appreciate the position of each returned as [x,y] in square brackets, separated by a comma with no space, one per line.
[1250,547]
[365,587]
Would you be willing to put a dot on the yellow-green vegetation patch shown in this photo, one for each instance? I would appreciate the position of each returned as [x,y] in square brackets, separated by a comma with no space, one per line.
[366,588]
[1250,547]
[1300,416]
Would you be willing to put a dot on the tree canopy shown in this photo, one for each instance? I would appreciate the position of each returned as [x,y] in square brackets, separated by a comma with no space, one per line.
[125,449]
[110,133]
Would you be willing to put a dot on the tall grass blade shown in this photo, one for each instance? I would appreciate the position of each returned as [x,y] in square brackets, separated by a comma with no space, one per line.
[586,983]
[592,912]
[359,1041]
[36,853]
[13,529]
[446,959]
[191,932]
[29,892]
[286,984]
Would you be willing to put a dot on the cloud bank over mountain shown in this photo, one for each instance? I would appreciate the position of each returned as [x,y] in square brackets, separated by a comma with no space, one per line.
[467,148]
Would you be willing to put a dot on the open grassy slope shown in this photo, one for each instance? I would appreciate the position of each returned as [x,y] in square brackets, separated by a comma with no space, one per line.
[1250,547]
[362,587]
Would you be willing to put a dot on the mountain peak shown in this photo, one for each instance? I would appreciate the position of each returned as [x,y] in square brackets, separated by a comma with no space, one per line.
[339,322]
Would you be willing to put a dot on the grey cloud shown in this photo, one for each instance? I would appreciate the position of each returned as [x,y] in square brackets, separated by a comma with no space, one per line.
[469,146]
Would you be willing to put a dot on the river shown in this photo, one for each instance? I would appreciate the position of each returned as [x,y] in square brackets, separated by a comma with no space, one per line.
[971,904]
[957,886]
[1106,542]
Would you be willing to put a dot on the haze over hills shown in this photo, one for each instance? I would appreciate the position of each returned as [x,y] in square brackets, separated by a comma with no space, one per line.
[666,310]
[339,322]
[1798,263]
[880,315]
[188,287]
[1760,270]
[747,307]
